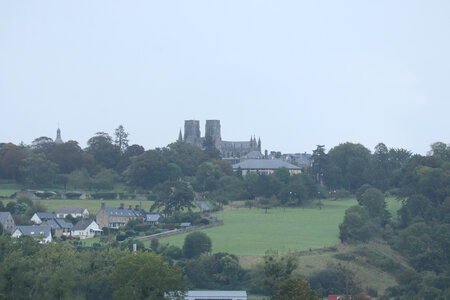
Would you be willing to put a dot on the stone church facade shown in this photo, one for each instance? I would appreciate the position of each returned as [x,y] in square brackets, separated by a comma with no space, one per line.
[228,149]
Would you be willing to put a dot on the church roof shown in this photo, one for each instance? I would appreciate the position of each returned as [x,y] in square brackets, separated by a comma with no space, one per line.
[264,164]
[254,155]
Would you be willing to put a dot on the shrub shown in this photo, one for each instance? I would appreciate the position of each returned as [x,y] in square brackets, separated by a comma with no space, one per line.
[73,195]
[104,195]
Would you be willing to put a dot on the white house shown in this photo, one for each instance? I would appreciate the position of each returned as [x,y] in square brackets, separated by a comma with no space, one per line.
[74,211]
[43,233]
[85,229]
[213,295]
[39,217]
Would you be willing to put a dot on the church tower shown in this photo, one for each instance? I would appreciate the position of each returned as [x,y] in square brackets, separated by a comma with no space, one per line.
[212,129]
[58,139]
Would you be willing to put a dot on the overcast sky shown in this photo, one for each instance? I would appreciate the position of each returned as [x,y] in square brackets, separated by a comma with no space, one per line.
[295,73]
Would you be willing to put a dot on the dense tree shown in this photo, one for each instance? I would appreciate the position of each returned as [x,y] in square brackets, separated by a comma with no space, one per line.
[146,276]
[43,143]
[103,150]
[173,197]
[121,139]
[440,150]
[125,160]
[196,243]
[373,200]
[147,169]
[216,271]
[37,170]
[79,179]
[358,225]
[296,289]
[353,160]
[69,156]
[381,171]
[277,269]
[105,179]
[207,176]
[11,157]
[188,157]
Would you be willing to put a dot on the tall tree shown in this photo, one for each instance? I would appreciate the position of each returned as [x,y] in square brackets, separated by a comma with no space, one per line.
[381,172]
[121,138]
[103,150]
[146,276]
[37,170]
[147,169]
[353,160]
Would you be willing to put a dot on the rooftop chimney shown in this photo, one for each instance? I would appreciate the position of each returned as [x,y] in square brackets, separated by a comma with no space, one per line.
[121,205]
[137,207]
[103,204]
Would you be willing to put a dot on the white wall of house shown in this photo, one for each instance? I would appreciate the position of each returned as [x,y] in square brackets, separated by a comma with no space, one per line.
[36,219]
[89,232]
[45,239]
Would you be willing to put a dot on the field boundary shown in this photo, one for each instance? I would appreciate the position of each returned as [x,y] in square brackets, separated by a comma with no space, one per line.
[179,231]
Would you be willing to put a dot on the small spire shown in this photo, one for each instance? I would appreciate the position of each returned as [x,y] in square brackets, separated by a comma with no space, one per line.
[58,139]
[180,136]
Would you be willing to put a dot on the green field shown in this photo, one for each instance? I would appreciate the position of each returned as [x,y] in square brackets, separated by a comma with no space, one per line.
[251,232]
[92,205]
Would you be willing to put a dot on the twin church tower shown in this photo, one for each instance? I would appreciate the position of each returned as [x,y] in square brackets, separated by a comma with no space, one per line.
[212,129]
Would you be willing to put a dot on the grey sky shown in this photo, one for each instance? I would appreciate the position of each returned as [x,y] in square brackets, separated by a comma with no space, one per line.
[295,73]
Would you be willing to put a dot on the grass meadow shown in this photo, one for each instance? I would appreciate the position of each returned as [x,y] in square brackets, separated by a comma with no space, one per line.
[251,232]
[92,205]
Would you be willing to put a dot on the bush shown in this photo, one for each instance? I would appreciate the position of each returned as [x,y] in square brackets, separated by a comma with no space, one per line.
[72,195]
[104,195]
[45,195]
[196,243]
[121,237]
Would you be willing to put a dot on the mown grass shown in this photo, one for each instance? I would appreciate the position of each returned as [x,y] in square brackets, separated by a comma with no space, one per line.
[251,232]
[254,231]
[7,192]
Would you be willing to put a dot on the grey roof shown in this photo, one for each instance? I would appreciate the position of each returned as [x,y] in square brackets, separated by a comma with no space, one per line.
[254,155]
[45,215]
[4,216]
[71,210]
[265,164]
[123,212]
[59,224]
[152,217]
[34,230]
[186,224]
[82,225]
[216,294]
[235,145]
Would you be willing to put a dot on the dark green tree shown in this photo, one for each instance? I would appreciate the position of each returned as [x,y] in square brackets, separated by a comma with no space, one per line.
[121,139]
[146,276]
[147,170]
[37,170]
[196,243]
[296,289]
[103,150]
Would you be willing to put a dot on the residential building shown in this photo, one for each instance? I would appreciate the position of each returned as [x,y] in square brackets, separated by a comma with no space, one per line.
[216,295]
[7,221]
[265,166]
[42,233]
[39,217]
[85,229]
[114,217]
[152,218]
[73,211]
[59,227]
